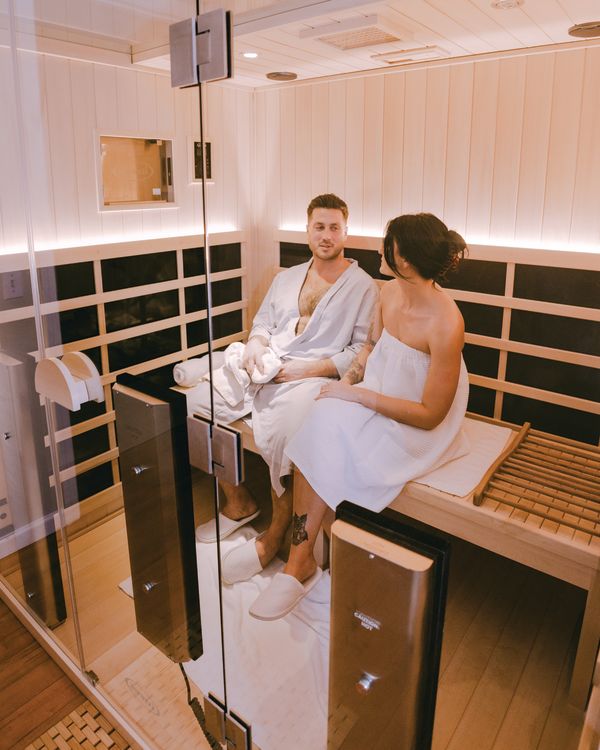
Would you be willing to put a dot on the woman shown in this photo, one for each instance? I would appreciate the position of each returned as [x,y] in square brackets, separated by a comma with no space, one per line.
[397,412]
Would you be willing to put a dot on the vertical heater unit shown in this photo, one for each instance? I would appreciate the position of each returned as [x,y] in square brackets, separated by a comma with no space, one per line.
[387,606]
[159,515]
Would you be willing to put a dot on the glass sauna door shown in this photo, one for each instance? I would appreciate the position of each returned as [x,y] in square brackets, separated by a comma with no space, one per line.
[105,289]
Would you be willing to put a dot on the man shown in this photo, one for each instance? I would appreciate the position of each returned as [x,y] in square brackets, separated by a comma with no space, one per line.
[315,318]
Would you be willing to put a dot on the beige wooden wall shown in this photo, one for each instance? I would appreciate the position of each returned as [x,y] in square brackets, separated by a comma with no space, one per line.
[67,104]
[505,150]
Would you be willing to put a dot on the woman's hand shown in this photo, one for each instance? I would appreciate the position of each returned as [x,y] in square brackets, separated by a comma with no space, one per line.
[338,389]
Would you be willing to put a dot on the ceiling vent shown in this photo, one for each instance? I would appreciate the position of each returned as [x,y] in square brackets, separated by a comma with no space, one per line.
[396,57]
[355,33]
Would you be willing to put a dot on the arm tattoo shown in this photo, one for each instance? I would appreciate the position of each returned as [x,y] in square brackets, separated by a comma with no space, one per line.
[355,373]
[299,534]
[370,342]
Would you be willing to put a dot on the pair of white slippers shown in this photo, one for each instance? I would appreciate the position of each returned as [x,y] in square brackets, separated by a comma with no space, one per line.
[242,563]
[282,594]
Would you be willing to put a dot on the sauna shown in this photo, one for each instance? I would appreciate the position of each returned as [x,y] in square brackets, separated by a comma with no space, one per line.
[143,218]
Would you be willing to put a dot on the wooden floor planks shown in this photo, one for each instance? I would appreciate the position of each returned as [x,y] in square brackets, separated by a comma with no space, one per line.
[508,647]
[34,692]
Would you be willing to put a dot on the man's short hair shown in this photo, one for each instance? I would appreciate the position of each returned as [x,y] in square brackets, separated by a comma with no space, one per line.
[327,200]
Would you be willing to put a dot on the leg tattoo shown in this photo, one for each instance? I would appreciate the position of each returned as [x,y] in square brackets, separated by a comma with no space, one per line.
[299,534]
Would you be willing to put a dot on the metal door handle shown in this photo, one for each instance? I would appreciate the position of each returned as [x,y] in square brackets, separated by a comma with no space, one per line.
[364,685]
[139,469]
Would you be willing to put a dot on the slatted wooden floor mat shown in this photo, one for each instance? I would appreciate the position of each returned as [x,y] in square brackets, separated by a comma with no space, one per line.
[85,728]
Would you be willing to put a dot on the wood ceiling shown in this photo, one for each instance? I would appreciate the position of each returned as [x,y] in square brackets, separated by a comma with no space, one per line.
[284,34]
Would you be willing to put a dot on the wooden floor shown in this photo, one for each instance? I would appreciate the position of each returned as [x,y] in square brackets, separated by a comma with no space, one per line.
[507,653]
[41,708]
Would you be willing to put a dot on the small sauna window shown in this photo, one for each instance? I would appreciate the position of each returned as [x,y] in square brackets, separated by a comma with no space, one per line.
[136,170]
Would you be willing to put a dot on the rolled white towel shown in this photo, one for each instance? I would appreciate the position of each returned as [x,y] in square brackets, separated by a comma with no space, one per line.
[271,366]
[190,372]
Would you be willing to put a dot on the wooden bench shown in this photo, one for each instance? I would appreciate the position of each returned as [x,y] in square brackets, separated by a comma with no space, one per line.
[538,505]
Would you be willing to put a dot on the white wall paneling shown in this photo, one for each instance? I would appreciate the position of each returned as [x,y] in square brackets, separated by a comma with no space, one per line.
[502,149]
[481,156]
[413,144]
[563,145]
[337,124]
[68,104]
[393,135]
[585,220]
[436,136]
[356,117]
[319,142]
[373,153]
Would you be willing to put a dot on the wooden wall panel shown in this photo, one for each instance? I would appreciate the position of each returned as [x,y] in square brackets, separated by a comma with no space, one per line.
[413,146]
[393,136]
[12,218]
[481,155]
[84,121]
[562,146]
[585,220]
[337,138]
[460,105]
[68,104]
[355,144]
[373,155]
[509,129]
[303,150]
[534,148]
[319,128]
[62,155]
[436,131]
[287,142]
[504,150]
[37,137]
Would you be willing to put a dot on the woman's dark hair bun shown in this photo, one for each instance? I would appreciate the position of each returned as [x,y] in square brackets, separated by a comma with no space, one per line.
[426,243]
[455,252]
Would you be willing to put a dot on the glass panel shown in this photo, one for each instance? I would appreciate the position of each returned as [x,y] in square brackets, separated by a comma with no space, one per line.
[98,510]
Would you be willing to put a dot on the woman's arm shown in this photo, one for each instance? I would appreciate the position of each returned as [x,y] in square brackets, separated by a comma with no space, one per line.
[438,393]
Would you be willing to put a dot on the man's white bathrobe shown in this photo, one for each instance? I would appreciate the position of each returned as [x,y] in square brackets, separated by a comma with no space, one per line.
[337,329]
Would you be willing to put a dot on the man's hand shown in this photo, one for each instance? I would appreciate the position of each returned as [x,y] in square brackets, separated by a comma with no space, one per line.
[253,354]
[295,369]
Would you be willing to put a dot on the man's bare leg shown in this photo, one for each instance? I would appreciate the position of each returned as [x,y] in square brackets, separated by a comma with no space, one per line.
[308,514]
[239,502]
[270,542]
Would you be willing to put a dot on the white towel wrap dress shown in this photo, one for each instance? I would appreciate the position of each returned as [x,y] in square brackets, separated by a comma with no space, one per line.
[349,452]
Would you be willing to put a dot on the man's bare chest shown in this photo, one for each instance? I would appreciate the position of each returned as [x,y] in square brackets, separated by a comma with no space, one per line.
[312,292]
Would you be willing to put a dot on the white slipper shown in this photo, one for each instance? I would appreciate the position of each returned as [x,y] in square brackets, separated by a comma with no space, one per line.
[282,595]
[241,563]
[207,532]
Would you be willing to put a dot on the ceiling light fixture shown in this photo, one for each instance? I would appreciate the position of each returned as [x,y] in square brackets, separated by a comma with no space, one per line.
[585,30]
[505,4]
[280,75]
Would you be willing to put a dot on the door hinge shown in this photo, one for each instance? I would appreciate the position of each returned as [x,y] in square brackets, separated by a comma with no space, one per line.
[228,728]
[216,449]
[92,677]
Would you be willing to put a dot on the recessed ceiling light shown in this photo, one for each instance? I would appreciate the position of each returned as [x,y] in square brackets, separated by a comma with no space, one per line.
[282,76]
[250,55]
[585,30]
[505,4]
